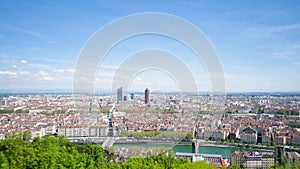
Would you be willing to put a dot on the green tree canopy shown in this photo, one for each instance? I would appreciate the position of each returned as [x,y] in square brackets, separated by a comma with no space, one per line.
[58,152]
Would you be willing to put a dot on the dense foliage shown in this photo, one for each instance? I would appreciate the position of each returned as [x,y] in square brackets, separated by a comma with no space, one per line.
[158,134]
[58,152]
[293,124]
[141,134]
[288,112]
[163,162]
[6,111]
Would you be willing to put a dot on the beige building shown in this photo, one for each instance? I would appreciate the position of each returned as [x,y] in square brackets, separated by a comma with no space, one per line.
[252,160]
[83,131]
[237,158]
[215,134]
[38,132]
[248,135]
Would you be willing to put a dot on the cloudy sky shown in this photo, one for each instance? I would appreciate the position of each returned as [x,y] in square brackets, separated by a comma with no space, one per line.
[258,43]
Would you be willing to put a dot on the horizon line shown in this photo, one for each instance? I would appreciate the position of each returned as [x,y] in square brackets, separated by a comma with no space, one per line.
[69,91]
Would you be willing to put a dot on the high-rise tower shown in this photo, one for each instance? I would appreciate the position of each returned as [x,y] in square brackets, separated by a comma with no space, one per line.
[132,96]
[119,94]
[147,96]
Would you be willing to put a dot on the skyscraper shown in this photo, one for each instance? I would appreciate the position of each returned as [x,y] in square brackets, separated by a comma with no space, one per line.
[147,95]
[132,97]
[120,94]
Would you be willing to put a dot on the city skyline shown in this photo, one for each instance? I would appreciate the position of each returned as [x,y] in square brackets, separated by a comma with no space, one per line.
[259,51]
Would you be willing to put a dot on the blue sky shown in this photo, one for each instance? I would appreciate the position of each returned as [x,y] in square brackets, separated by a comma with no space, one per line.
[258,43]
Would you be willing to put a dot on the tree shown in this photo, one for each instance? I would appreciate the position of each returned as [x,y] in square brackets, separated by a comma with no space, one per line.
[287,165]
[196,165]
[296,164]
[189,136]
[273,143]
[58,152]
[97,154]
[26,135]
[3,161]
[114,165]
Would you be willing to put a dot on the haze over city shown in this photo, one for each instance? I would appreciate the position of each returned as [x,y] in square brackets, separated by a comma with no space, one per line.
[257,42]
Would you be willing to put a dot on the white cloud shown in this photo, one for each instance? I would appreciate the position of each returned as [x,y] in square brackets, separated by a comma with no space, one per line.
[221,75]
[42,75]
[50,60]
[15,66]
[283,54]
[294,46]
[287,52]
[103,80]
[46,78]
[23,61]
[283,28]
[270,31]
[29,32]
[65,78]
[70,70]
[141,83]
[10,73]
[23,73]
[64,70]
[227,76]
[58,70]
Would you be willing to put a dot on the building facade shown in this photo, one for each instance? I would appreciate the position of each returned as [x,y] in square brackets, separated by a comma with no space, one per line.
[252,160]
[147,96]
[83,131]
[119,94]
[249,135]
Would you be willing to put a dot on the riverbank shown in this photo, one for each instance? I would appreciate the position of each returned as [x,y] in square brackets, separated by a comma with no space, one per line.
[201,144]
[140,149]
[189,142]
[215,145]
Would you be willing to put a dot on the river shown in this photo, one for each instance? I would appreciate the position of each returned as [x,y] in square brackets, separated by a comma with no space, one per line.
[224,151]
